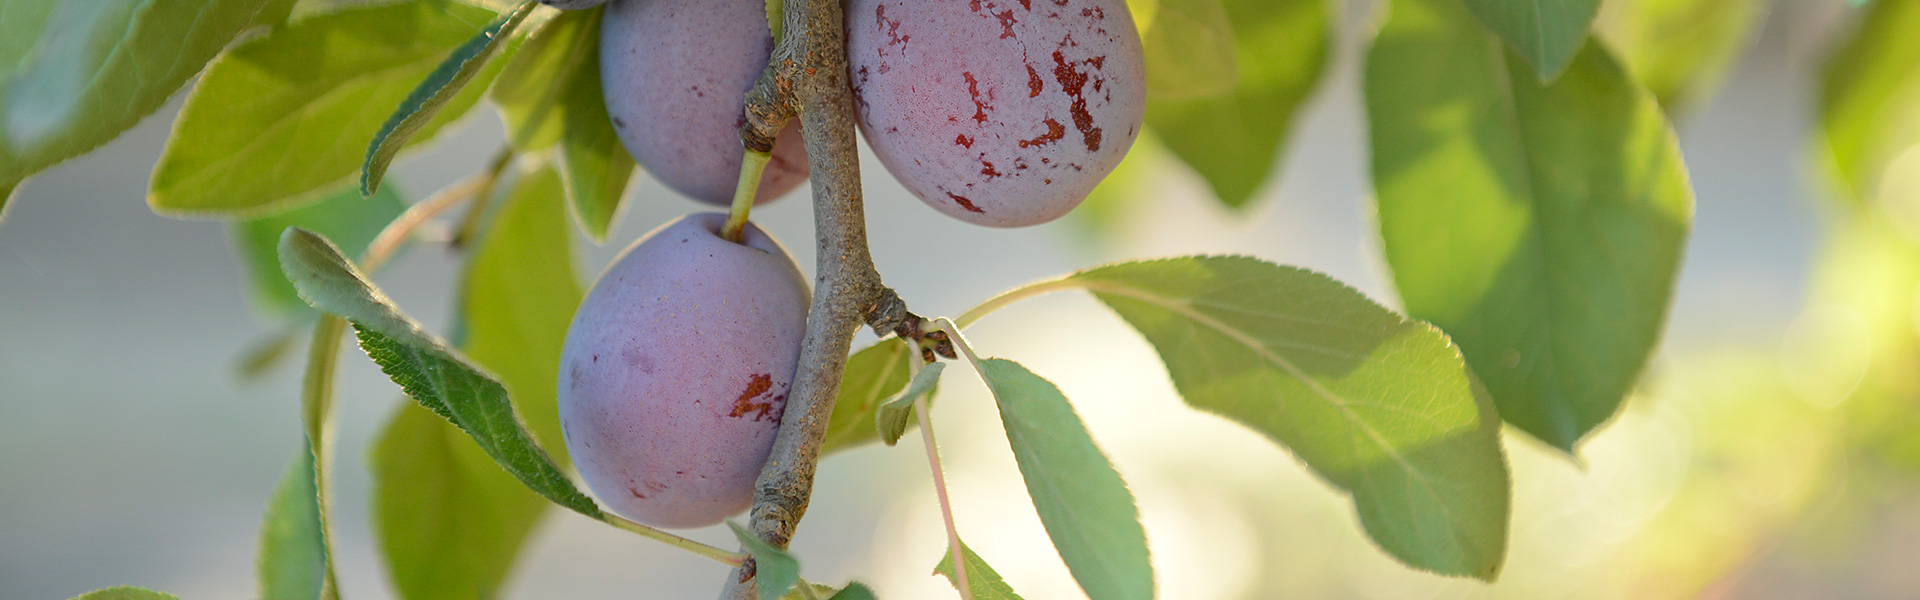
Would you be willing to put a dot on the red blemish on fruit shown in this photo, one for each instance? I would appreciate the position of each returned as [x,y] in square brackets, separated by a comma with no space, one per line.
[893,27]
[1095,12]
[1055,131]
[988,170]
[636,492]
[759,384]
[965,203]
[1026,4]
[963,140]
[1006,23]
[1034,84]
[980,107]
[974,6]
[1074,82]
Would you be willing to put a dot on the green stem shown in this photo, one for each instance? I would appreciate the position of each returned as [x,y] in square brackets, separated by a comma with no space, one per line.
[981,310]
[732,559]
[316,404]
[752,164]
[920,409]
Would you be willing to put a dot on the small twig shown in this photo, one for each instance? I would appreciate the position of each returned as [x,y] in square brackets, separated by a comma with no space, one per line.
[921,409]
[724,557]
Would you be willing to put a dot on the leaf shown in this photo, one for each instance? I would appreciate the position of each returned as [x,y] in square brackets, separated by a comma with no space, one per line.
[292,559]
[284,118]
[1679,49]
[1234,140]
[817,591]
[316,418]
[74,75]
[892,418]
[775,571]
[982,580]
[451,522]
[434,92]
[872,376]
[550,93]
[126,593]
[431,373]
[1870,98]
[1189,48]
[345,216]
[1540,227]
[854,591]
[1081,500]
[1546,33]
[1378,405]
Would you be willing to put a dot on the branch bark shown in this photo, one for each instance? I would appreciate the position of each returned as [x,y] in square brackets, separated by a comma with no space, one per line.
[807,78]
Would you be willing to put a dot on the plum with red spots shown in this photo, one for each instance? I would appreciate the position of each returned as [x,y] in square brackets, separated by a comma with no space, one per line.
[676,370]
[675,74]
[998,112]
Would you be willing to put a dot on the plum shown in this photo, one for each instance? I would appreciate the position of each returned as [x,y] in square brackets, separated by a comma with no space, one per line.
[676,370]
[997,112]
[675,74]
[573,4]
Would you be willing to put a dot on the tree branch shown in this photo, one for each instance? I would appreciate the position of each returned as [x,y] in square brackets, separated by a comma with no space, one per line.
[807,77]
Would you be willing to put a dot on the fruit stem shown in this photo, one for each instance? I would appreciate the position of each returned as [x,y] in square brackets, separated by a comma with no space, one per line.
[920,409]
[732,559]
[752,164]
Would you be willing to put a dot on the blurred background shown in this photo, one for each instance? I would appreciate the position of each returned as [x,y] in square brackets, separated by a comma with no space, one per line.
[1771,450]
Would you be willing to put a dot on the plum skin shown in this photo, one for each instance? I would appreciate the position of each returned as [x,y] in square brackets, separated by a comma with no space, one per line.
[675,74]
[1003,113]
[676,368]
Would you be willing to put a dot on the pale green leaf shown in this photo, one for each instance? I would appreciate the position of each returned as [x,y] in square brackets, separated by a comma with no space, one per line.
[430,372]
[126,593]
[1081,499]
[292,559]
[1381,406]
[345,217]
[1870,97]
[1679,49]
[1546,33]
[854,591]
[435,92]
[550,93]
[893,417]
[775,571]
[872,376]
[285,117]
[1234,140]
[1189,48]
[76,73]
[316,418]
[450,521]
[982,580]
[1539,226]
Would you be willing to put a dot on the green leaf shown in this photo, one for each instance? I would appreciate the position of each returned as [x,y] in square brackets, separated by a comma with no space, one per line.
[451,522]
[285,117]
[74,75]
[982,580]
[1679,49]
[1189,48]
[817,591]
[1540,226]
[430,372]
[126,593]
[550,93]
[1870,98]
[1081,500]
[775,571]
[433,93]
[292,559]
[872,376]
[1381,406]
[346,217]
[893,417]
[854,591]
[316,418]
[1546,33]
[1234,140]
